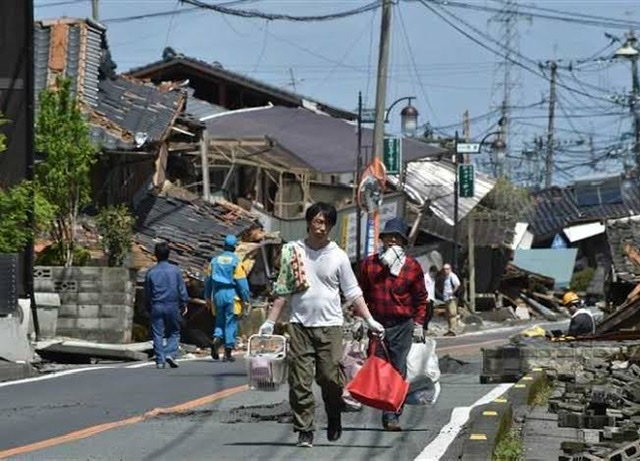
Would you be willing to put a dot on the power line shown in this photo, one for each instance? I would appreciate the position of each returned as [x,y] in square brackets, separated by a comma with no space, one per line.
[283,17]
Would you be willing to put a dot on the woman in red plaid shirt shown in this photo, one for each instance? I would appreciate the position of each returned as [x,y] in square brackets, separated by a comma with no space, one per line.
[393,287]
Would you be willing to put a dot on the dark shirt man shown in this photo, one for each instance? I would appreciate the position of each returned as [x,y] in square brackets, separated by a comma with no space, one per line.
[166,296]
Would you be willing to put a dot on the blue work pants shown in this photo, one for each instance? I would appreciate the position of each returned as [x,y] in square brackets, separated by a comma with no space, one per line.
[165,323]
[226,323]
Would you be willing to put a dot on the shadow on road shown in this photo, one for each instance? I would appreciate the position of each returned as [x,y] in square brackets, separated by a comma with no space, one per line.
[379,429]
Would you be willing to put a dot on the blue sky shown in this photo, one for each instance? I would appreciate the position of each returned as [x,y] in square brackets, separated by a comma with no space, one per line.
[447,72]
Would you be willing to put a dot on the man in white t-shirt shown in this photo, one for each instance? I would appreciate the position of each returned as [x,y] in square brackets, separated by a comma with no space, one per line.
[315,326]
[450,289]
[430,284]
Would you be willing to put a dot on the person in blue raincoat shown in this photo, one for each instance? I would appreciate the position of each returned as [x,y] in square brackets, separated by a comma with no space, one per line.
[226,282]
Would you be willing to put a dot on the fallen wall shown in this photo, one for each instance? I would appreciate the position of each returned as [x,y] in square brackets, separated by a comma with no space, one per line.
[96,303]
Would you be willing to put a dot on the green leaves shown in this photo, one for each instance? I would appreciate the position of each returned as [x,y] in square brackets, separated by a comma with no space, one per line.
[63,136]
[115,225]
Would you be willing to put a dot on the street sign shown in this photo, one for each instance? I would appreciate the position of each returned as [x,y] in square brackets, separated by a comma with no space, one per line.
[392,157]
[466,180]
[468,148]
[368,116]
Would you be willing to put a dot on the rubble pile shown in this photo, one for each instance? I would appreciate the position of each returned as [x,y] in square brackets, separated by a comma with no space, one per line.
[602,402]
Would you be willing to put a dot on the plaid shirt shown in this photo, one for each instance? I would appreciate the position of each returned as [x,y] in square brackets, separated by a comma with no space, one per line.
[393,299]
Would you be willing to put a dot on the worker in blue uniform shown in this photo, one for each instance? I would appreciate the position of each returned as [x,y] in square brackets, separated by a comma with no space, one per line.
[226,282]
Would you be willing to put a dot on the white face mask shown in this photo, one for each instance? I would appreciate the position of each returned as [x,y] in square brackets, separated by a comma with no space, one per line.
[394,258]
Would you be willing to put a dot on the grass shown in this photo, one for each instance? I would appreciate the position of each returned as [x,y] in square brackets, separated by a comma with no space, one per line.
[541,397]
[510,447]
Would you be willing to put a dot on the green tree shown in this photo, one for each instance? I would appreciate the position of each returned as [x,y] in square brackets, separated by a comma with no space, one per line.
[15,204]
[115,225]
[62,135]
[510,199]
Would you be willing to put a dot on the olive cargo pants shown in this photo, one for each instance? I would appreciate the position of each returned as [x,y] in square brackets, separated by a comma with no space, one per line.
[312,349]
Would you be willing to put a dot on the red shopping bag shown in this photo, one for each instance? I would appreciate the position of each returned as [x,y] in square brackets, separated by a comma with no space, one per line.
[378,385]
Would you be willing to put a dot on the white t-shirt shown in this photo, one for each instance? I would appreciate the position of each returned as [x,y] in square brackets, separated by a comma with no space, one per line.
[430,284]
[328,272]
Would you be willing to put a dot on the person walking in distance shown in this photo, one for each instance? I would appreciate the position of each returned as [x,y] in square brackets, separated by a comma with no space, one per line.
[226,281]
[430,285]
[313,273]
[450,288]
[394,289]
[167,299]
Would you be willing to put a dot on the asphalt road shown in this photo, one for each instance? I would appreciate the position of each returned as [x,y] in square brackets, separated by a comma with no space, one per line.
[114,404]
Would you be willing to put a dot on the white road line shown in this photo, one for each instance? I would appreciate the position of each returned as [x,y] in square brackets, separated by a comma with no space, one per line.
[57,374]
[459,416]
[151,362]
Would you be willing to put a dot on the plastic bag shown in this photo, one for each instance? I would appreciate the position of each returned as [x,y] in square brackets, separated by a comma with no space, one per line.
[423,373]
[353,358]
[423,361]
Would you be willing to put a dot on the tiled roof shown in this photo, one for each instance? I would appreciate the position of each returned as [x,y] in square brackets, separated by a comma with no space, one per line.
[160,70]
[556,208]
[193,228]
[74,48]
[619,232]
[118,107]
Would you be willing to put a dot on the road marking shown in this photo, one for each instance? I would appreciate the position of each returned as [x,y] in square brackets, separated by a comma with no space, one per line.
[489,413]
[94,430]
[57,374]
[459,416]
[478,437]
[151,362]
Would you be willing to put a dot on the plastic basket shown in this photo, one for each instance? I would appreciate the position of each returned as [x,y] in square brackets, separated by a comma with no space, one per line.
[266,362]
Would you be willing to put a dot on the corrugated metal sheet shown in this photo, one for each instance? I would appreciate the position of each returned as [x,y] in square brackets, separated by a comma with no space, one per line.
[619,232]
[434,182]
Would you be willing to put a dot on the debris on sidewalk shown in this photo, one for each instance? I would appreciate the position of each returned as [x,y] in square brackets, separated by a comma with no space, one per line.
[75,351]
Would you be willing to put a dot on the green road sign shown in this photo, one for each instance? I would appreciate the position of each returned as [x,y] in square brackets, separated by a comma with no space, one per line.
[466,180]
[392,157]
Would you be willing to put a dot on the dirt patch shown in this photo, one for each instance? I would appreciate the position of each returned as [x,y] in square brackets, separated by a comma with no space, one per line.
[279,412]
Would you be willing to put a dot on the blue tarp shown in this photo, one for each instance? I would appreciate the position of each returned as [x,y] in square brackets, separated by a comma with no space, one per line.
[555,263]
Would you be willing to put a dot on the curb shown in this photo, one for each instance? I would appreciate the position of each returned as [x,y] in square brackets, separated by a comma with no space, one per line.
[11,371]
[489,422]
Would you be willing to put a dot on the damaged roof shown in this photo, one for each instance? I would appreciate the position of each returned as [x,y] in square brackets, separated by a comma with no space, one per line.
[193,228]
[489,231]
[326,144]
[556,208]
[176,66]
[124,113]
[623,234]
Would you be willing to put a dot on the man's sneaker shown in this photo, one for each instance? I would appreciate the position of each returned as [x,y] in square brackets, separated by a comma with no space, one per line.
[449,333]
[228,357]
[305,439]
[172,363]
[392,426]
[217,342]
[160,366]
[334,429]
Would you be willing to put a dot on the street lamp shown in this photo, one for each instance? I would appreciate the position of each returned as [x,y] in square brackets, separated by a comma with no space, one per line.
[408,117]
[630,51]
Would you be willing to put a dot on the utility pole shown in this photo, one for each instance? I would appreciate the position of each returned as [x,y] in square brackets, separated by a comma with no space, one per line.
[466,134]
[635,94]
[381,84]
[95,11]
[456,207]
[357,183]
[204,159]
[548,163]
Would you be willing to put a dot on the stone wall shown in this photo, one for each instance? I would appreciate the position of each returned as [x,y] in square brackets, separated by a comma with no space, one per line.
[96,303]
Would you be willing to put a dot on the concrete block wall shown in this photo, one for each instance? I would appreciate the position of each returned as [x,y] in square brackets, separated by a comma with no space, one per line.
[96,303]
[571,357]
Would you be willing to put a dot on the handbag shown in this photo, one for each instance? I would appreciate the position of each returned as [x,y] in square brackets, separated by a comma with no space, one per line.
[378,384]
